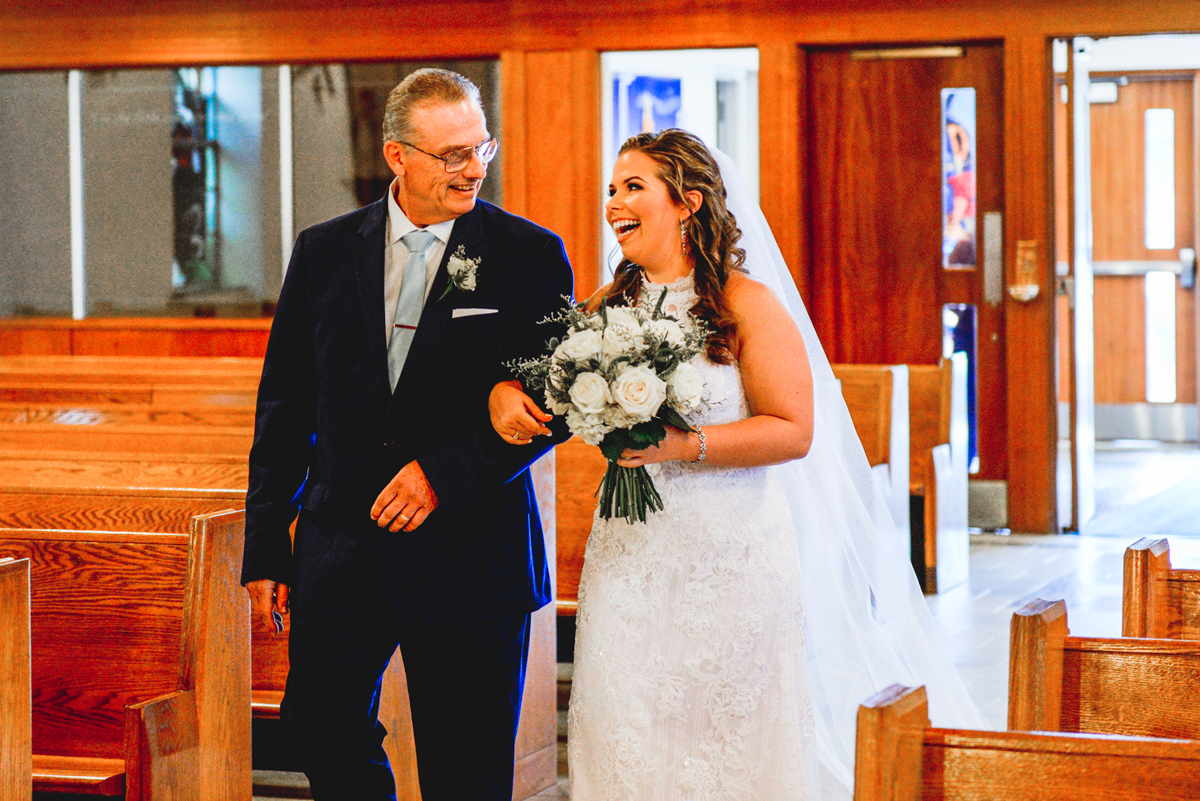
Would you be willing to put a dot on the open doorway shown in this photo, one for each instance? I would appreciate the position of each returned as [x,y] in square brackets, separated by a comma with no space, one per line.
[1127,155]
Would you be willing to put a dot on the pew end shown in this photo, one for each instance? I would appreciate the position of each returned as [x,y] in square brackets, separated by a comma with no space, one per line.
[1126,686]
[16,722]
[899,757]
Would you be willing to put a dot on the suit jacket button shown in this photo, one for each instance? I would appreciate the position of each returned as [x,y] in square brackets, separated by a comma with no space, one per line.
[389,442]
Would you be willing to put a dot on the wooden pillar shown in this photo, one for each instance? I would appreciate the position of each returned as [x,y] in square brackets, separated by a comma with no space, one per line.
[782,157]
[550,104]
[1029,326]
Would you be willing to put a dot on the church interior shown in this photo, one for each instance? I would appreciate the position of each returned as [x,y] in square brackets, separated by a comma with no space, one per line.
[991,211]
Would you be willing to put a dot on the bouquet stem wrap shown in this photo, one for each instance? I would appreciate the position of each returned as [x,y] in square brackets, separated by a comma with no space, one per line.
[629,492]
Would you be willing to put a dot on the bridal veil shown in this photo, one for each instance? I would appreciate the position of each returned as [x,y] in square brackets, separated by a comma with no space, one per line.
[867,624]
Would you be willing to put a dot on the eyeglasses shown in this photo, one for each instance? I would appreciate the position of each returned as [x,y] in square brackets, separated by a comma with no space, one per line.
[457,160]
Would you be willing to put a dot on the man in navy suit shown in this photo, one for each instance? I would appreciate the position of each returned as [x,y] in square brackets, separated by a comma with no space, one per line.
[418,527]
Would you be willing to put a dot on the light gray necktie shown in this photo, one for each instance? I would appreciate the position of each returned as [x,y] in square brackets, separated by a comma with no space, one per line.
[408,305]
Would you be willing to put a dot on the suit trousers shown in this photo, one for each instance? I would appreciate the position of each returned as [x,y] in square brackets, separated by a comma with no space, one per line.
[465,679]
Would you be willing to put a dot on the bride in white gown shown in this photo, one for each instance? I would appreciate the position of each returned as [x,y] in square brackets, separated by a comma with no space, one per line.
[724,645]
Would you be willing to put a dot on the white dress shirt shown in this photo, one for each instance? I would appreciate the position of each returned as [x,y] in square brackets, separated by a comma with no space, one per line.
[395,254]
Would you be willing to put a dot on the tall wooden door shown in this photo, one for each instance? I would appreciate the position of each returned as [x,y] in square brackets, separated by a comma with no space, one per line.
[1124,251]
[877,284]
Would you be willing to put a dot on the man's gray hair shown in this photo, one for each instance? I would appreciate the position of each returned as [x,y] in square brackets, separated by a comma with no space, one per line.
[428,85]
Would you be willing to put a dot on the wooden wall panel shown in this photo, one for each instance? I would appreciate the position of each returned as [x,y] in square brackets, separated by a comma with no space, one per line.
[1032,435]
[552,171]
[101,336]
[781,142]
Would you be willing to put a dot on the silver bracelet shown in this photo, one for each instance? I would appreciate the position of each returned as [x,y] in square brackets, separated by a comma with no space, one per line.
[703,446]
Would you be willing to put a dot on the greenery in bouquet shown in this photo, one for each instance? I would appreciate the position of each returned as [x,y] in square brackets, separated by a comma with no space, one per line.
[620,375]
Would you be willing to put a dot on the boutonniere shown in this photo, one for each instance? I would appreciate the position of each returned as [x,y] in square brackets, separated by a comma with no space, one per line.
[462,272]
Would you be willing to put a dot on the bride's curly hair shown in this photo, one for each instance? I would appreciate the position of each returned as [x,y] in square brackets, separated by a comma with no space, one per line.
[685,165]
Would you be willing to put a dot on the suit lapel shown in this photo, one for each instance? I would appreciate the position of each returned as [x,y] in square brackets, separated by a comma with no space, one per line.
[435,315]
[368,271]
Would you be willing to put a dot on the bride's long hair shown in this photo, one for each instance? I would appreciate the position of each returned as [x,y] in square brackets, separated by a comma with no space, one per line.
[686,165]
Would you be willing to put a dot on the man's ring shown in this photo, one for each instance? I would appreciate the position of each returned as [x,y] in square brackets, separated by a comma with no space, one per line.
[403,519]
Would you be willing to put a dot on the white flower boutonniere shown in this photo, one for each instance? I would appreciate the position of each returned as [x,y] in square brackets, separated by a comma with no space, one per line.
[462,272]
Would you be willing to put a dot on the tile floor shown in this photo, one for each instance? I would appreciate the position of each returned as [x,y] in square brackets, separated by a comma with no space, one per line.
[1141,491]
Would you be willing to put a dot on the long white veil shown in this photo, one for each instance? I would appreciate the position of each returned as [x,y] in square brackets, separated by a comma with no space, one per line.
[867,624]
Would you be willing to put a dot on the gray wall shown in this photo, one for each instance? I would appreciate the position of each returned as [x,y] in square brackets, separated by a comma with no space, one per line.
[35,224]
[128,225]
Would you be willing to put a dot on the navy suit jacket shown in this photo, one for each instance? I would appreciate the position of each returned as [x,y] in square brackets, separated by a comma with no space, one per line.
[325,374]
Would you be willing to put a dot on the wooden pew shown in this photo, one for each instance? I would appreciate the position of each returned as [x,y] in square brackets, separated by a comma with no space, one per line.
[938,472]
[16,730]
[144,438]
[1133,686]
[161,336]
[878,399]
[141,660]
[139,371]
[900,757]
[116,469]
[152,509]
[581,467]
[1158,600]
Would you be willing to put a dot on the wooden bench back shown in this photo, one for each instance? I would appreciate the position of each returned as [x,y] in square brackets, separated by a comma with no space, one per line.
[1158,600]
[106,624]
[116,469]
[128,627]
[1134,686]
[900,757]
[149,509]
[929,398]
[143,437]
[16,754]
[130,371]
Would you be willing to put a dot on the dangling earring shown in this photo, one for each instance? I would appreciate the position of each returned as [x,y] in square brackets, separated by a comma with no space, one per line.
[683,238]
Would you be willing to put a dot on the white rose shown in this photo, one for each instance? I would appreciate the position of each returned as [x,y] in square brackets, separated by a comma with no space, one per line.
[579,346]
[685,387]
[622,334]
[589,393]
[639,391]
[667,330]
[590,427]
[553,406]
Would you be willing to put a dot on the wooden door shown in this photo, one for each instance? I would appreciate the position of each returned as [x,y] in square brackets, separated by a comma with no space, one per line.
[1119,229]
[876,283]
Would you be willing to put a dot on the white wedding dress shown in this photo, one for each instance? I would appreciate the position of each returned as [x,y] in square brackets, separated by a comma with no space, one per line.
[689,678]
[724,646]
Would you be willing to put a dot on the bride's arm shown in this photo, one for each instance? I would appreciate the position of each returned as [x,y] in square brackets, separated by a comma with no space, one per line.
[778,385]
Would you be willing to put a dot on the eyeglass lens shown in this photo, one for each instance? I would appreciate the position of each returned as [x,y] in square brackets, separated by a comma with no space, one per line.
[457,159]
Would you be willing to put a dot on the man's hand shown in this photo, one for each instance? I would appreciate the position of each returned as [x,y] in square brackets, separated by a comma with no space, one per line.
[406,501]
[515,415]
[266,597]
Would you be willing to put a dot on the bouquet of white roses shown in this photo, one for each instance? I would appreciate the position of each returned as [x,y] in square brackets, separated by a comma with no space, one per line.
[618,375]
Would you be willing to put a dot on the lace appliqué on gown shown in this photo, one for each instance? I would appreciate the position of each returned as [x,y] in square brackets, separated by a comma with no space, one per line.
[689,678]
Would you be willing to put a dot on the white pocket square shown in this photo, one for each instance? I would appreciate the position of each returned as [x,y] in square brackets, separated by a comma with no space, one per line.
[470,312]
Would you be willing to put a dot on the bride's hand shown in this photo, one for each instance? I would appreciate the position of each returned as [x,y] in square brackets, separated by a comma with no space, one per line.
[515,416]
[677,446]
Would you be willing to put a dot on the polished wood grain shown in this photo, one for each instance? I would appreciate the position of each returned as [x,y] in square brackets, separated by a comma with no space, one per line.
[91,508]
[16,732]
[1156,599]
[1130,686]
[133,371]
[145,438]
[877,282]
[122,414]
[1027,412]
[935,764]
[867,390]
[86,775]
[215,658]
[35,468]
[162,738]
[178,337]
[781,140]
[552,175]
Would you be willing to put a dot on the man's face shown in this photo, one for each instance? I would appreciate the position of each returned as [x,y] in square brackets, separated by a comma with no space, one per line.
[427,194]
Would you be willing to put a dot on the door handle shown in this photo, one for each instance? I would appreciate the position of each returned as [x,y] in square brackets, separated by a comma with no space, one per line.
[1187,268]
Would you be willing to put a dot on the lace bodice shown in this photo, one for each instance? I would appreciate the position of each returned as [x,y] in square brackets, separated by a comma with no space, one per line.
[689,681]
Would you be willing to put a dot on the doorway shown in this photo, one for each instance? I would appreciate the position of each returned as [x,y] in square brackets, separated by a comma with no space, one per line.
[1134,155]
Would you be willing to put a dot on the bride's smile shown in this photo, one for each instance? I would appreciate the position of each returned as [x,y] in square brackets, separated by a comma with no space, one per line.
[646,218]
